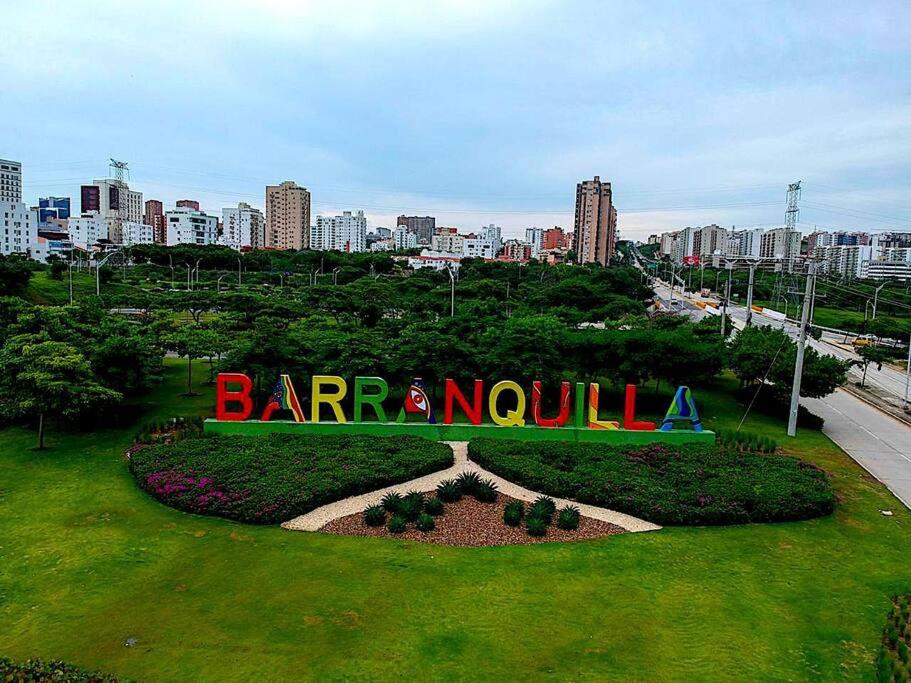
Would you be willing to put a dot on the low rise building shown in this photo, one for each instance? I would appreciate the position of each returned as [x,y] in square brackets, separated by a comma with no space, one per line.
[188,226]
[88,229]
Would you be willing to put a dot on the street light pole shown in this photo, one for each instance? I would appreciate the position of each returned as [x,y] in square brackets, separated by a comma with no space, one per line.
[452,295]
[724,305]
[801,344]
[750,294]
[238,271]
[908,374]
[875,297]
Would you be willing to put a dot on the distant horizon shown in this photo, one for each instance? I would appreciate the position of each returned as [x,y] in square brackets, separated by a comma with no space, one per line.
[474,112]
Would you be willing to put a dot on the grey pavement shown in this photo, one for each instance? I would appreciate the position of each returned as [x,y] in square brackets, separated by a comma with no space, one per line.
[879,443]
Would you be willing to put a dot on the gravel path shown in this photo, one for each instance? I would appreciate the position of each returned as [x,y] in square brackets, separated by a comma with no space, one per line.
[316,519]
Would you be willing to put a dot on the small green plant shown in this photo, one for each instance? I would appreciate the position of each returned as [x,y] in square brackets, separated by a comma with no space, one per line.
[536,526]
[412,507]
[449,491]
[375,515]
[392,502]
[486,491]
[514,512]
[416,498]
[468,482]
[543,507]
[397,524]
[434,506]
[425,523]
[568,518]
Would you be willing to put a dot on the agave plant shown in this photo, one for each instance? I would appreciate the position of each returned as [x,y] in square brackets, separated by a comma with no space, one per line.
[392,502]
[434,506]
[536,526]
[425,522]
[486,491]
[397,524]
[568,518]
[375,515]
[468,482]
[514,512]
[449,491]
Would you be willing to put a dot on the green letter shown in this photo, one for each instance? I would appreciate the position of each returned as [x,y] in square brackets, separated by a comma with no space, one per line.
[375,400]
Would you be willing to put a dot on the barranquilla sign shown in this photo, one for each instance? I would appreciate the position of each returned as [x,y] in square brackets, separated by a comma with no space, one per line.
[509,411]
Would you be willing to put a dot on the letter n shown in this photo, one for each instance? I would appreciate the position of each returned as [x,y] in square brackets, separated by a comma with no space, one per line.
[473,412]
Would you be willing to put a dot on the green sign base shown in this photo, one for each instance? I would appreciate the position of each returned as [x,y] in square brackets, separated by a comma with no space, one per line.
[459,431]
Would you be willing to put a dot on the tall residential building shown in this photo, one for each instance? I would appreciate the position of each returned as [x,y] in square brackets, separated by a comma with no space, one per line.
[711,240]
[10,181]
[187,204]
[186,226]
[780,243]
[448,241]
[666,244]
[403,238]
[422,226]
[555,238]
[287,216]
[115,201]
[243,227]
[535,238]
[53,207]
[18,227]
[849,261]
[347,232]
[154,216]
[596,222]
[493,234]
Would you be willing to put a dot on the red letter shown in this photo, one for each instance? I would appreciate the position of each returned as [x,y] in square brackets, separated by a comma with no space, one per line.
[242,396]
[473,412]
[629,412]
[563,415]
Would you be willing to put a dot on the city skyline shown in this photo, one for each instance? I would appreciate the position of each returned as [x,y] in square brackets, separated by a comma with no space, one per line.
[460,118]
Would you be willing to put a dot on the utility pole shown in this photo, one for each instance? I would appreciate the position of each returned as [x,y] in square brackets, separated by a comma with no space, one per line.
[875,297]
[750,294]
[801,344]
[239,283]
[673,273]
[70,269]
[908,374]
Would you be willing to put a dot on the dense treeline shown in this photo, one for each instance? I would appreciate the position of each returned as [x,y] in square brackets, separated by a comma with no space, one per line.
[530,322]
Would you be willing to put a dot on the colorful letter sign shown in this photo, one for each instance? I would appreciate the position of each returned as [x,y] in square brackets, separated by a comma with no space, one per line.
[506,404]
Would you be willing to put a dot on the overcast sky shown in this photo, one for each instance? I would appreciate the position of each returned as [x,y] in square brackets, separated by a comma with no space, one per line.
[475,112]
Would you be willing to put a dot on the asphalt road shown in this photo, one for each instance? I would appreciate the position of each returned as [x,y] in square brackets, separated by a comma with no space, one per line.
[879,443]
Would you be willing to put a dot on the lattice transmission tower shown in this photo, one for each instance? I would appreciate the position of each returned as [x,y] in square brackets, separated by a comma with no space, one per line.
[119,168]
[792,212]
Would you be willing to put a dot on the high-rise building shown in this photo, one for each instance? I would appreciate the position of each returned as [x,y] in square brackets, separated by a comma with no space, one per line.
[115,201]
[347,232]
[186,226]
[403,238]
[422,226]
[154,216]
[711,240]
[535,239]
[187,204]
[596,222]
[493,234]
[243,227]
[555,238]
[53,207]
[780,243]
[18,227]
[287,216]
[10,181]
[447,240]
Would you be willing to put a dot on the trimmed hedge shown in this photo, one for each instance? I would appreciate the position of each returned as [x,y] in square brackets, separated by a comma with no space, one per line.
[274,478]
[37,670]
[894,661]
[694,484]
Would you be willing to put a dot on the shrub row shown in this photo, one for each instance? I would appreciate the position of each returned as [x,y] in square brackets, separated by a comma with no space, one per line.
[745,441]
[693,484]
[269,479]
[175,429]
[540,514]
[35,670]
[894,661]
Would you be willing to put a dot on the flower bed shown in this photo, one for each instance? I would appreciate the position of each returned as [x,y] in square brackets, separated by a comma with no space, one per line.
[49,672]
[696,484]
[269,479]
[894,661]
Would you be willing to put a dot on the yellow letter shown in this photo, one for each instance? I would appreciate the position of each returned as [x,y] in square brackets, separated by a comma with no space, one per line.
[593,421]
[513,418]
[333,400]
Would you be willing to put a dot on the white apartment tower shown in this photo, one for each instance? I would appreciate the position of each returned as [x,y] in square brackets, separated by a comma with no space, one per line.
[188,226]
[535,238]
[18,228]
[347,232]
[243,227]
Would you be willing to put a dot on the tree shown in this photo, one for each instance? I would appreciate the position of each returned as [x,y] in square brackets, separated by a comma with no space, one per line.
[192,342]
[15,272]
[871,354]
[43,377]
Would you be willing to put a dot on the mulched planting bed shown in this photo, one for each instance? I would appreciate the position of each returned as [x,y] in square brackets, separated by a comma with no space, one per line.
[472,524]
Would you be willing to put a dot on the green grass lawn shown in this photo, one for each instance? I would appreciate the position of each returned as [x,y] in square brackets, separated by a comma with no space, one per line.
[43,289]
[87,561]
